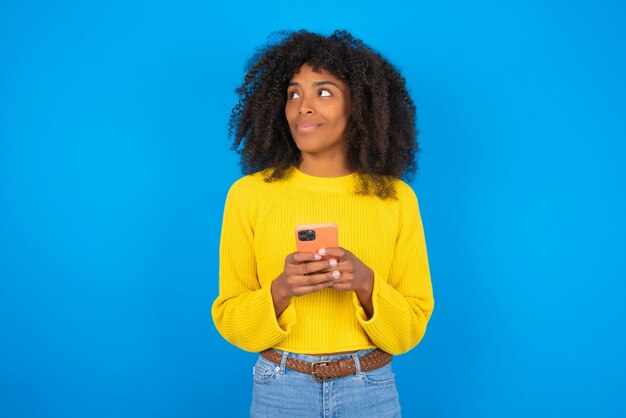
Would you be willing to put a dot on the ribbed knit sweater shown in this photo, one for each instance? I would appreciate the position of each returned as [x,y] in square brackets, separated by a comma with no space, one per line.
[257,235]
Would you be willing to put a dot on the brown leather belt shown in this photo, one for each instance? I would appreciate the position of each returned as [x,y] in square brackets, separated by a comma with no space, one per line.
[326,369]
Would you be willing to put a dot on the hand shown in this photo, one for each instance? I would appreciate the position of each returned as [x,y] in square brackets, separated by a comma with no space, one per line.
[303,273]
[354,275]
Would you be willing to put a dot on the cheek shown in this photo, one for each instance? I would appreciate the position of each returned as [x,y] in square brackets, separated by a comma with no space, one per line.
[342,115]
[291,123]
[341,119]
[287,112]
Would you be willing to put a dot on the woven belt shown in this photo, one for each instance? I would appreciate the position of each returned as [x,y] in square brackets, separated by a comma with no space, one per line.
[328,369]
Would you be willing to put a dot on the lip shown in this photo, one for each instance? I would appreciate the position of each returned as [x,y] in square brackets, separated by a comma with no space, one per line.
[305,127]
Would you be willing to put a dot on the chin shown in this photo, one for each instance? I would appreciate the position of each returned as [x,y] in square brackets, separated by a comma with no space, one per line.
[316,145]
[306,145]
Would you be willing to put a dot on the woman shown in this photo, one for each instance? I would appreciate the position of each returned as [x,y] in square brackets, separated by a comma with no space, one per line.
[325,129]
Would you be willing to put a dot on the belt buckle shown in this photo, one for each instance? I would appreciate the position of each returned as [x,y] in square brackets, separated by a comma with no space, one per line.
[314,375]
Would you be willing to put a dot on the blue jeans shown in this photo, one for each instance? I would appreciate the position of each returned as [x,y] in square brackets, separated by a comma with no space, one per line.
[280,392]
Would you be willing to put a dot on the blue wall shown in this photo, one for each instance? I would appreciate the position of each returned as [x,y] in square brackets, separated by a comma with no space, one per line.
[114,164]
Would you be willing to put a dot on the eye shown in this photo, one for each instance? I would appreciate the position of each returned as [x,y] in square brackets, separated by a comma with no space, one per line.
[324,93]
[292,95]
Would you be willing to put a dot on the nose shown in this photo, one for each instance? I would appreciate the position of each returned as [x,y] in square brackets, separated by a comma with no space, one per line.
[305,106]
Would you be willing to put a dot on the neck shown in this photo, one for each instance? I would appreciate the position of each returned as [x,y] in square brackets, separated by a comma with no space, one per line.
[324,167]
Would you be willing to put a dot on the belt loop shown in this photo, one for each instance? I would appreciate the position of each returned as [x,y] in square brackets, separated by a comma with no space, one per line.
[283,361]
[357,363]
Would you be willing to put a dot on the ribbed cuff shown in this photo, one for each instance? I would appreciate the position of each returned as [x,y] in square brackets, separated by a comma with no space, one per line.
[287,319]
[360,311]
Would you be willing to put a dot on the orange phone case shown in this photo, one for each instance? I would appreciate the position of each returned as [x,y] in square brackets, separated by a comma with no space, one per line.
[326,235]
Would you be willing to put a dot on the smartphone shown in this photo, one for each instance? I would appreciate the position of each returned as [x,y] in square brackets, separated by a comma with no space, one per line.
[312,237]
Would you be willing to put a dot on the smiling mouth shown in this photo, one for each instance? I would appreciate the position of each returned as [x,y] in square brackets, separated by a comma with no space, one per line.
[305,127]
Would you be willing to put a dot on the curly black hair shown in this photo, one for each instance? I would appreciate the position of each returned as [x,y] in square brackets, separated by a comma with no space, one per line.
[381,138]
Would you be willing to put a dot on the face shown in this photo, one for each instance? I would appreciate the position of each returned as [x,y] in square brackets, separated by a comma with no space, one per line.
[317,111]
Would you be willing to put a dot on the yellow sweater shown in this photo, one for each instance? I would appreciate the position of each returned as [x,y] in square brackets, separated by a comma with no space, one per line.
[257,235]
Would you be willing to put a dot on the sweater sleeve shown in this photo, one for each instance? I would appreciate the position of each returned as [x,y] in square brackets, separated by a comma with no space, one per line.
[243,312]
[403,302]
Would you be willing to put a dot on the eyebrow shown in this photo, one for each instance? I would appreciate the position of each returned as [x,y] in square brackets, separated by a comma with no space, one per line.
[316,83]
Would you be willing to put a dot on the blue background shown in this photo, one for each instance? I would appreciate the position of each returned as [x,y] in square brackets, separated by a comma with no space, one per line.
[115,162]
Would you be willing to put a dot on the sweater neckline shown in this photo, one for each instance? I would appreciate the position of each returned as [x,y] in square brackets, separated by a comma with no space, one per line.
[324,183]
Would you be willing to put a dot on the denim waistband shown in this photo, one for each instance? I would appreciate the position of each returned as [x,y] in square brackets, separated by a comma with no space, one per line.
[310,358]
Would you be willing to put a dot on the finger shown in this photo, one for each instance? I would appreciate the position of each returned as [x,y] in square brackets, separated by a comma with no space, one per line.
[344,282]
[314,288]
[311,267]
[339,286]
[346,277]
[319,278]
[319,266]
[304,257]
[321,281]
[332,252]
[296,283]
[345,266]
